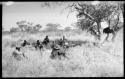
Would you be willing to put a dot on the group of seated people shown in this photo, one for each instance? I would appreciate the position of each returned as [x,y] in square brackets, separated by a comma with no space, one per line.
[40,45]
[57,48]
[37,44]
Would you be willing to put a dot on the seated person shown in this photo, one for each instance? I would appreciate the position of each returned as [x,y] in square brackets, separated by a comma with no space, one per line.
[46,40]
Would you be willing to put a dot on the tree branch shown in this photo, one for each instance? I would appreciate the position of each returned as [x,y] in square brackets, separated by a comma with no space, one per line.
[84,12]
[116,25]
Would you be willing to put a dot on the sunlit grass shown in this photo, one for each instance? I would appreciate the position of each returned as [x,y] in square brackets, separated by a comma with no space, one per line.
[85,61]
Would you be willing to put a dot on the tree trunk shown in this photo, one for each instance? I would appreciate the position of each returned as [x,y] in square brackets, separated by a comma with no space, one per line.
[98,29]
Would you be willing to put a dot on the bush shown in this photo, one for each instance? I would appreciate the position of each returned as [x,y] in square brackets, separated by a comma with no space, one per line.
[14,30]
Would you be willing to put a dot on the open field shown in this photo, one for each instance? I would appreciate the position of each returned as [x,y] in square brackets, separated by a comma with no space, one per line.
[85,61]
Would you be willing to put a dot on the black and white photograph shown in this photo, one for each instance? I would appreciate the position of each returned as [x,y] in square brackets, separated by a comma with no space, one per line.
[62,39]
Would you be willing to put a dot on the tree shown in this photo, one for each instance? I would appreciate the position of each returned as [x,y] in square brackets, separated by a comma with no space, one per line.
[28,29]
[37,27]
[14,29]
[121,7]
[116,27]
[25,26]
[21,25]
[95,13]
[52,27]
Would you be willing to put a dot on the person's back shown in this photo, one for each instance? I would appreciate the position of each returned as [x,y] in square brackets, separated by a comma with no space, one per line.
[47,39]
[24,43]
[60,42]
[38,42]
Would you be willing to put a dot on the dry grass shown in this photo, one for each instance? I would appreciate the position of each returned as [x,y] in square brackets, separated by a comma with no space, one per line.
[85,61]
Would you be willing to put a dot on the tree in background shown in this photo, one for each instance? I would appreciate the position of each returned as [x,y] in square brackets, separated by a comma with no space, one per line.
[22,25]
[37,27]
[52,27]
[28,29]
[28,26]
[14,29]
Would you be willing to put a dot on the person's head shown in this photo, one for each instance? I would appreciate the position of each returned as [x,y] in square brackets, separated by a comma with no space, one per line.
[37,40]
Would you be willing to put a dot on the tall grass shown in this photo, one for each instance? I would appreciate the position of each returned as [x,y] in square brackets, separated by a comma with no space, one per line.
[84,61]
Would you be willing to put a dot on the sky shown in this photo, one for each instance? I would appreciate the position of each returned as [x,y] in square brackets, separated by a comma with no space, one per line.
[34,12]
[37,13]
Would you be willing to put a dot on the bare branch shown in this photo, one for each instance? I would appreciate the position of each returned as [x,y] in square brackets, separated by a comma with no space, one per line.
[72,8]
